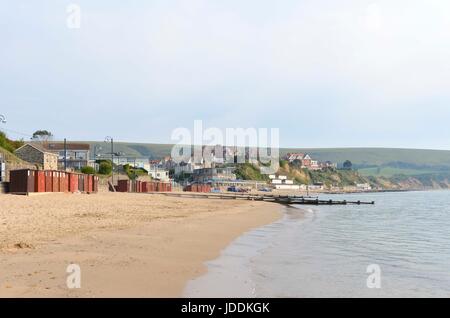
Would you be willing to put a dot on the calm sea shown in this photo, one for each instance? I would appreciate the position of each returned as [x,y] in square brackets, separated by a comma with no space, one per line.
[327,251]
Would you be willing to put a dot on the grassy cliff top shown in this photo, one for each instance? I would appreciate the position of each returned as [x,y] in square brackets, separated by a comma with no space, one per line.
[10,157]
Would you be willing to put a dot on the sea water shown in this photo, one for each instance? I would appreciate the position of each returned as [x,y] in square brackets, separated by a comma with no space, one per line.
[400,247]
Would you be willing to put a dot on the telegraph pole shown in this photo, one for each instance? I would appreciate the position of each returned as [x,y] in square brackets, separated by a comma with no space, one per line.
[112,161]
[110,139]
[2,164]
[65,154]
[96,155]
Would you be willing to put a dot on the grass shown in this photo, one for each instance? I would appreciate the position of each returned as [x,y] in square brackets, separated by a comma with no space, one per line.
[365,157]
[10,157]
[138,150]
[8,144]
[248,171]
[391,171]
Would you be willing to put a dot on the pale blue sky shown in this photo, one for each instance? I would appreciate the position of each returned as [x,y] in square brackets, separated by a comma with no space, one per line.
[327,73]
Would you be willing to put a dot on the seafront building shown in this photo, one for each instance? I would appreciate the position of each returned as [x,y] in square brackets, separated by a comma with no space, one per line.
[205,175]
[70,155]
[282,183]
[37,155]
[363,186]
[159,174]
[305,161]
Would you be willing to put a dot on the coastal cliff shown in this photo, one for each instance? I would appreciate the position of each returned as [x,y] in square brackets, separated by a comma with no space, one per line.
[339,178]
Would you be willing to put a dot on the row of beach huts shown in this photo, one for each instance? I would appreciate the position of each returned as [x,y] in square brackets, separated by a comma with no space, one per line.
[26,181]
[197,187]
[136,186]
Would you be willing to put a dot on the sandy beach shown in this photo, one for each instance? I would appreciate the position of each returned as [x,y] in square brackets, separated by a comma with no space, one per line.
[127,245]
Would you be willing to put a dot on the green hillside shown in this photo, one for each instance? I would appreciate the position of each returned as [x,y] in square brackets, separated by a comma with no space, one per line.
[385,162]
[10,157]
[369,157]
[387,171]
[138,150]
[7,147]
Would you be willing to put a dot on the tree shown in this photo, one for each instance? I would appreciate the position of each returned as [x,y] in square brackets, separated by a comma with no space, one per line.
[87,170]
[9,144]
[284,163]
[297,164]
[42,135]
[348,165]
[105,168]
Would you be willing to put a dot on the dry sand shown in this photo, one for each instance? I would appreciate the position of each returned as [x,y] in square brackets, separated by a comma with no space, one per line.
[127,245]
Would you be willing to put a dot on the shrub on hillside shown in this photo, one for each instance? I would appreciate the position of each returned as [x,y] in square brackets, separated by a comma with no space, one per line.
[88,170]
[248,171]
[9,144]
[105,168]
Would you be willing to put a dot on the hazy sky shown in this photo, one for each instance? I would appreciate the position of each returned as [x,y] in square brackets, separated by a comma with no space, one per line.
[327,73]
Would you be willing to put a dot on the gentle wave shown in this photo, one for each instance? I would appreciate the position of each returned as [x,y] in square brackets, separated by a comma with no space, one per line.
[325,252]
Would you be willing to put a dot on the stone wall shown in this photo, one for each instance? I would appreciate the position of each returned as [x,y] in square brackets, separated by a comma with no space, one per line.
[50,161]
[44,160]
[17,166]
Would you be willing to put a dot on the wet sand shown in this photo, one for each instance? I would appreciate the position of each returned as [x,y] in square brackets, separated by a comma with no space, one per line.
[127,245]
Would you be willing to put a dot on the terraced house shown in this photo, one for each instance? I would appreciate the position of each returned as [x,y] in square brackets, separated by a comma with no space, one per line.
[76,154]
[304,159]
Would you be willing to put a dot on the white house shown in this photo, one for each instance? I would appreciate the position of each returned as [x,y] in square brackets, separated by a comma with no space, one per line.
[160,174]
[187,167]
[282,183]
[363,186]
[142,163]
[315,165]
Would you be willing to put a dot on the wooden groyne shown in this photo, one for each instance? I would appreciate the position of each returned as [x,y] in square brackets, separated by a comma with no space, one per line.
[282,199]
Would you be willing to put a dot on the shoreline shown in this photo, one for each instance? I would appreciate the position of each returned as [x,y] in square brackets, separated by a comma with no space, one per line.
[166,243]
[233,273]
[317,193]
